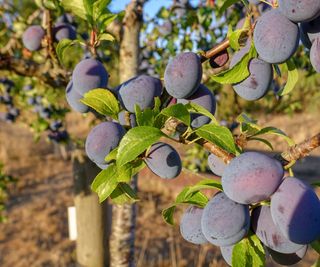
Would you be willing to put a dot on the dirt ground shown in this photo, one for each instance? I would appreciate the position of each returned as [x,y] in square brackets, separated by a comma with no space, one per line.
[36,233]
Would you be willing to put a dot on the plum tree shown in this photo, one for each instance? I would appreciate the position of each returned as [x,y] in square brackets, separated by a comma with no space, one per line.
[205,98]
[309,31]
[226,253]
[140,91]
[73,99]
[182,75]
[257,84]
[299,10]
[64,31]
[224,222]
[102,139]
[163,160]
[32,37]
[315,54]
[89,74]
[288,259]
[268,233]
[282,39]
[190,225]
[216,164]
[251,177]
[295,209]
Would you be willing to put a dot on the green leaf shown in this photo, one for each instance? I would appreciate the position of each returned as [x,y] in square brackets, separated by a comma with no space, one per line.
[62,46]
[219,135]
[227,4]
[122,194]
[112,155]
[103,101]
[238,72]
[314,184]
[192,107]
[99,8]
[106,19]
[248,252]
[136,141]
[145,117]
[88,6]
[266,142]
[204,184]
[178,111]
[105,182]
[168,213]
[316,246]
[293,77]
[106,37]
[76,7]
[275,131]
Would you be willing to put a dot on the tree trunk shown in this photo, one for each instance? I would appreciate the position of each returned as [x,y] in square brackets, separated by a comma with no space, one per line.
[91,216]
[123,216]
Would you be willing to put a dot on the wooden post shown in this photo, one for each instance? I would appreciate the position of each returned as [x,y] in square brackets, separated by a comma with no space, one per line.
[93,219]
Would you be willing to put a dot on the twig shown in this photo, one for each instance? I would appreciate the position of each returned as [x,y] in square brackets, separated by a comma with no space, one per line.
[215,50]
[50,47]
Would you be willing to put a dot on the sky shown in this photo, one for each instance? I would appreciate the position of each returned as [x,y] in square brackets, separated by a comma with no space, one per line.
[150,8]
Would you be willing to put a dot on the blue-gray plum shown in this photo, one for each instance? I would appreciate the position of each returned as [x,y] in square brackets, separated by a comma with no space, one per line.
[73,99]
[190,225]
[103,166]
[224,222]
[268,233]
[258,83]
[164,160]
[140,91]
[295,209]
[226,253]
[64,31]
[315,54]
[202,97]
[219,60]
[288,259]
[102,139]
[183,74]
[251,177]
[32,37]
[300,10]
[276,38]
[89,74]
[124,121]
[309,31]
[216,164]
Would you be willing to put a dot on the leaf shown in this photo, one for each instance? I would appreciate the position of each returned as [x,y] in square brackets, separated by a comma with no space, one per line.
[238,72]
[88,6]
[192,107]
[62,46]
[99,8]
[112,155]
[102,101]
[227,4]
[316,246]
[105,182]
[266,142]
[106,19]
[219,135]
[145,117]
[122,194]
[275,131]
[205,184]
[315,184]
[136,141]
[106,37]
[178,111]
[248,252]
[168,213]
[76,7]
[293,77]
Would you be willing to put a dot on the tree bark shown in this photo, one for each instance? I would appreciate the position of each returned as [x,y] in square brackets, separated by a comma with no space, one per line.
[123,216]
[91,216]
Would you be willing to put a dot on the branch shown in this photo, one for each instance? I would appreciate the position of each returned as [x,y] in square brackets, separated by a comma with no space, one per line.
[215,50]
[49,37]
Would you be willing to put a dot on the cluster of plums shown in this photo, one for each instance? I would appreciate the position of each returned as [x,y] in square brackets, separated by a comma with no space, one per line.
[6,98]
[63,29]
[285,226]
[276,37]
